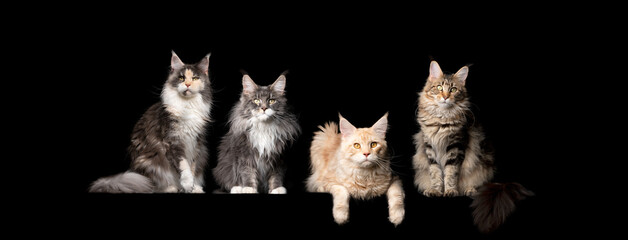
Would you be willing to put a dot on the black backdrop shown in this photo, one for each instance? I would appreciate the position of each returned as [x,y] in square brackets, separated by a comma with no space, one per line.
[361,67]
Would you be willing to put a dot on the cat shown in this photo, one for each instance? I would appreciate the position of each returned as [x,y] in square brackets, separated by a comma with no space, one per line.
[168,147]
[261,126]
[453,157]
[354,163]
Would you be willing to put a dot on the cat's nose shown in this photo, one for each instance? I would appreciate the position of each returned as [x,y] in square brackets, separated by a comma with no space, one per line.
[366,154]
[188,84]
[264,108]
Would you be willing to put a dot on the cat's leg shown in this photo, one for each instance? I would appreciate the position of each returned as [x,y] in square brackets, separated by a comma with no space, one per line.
[198,167]
[435,172]
[454,157]
[341,198]
[187,177]
[247,181]
[275,184]
[395,196]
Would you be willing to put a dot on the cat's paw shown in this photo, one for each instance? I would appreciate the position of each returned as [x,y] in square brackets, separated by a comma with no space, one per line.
[396,214]
[171,189]
[236,189]
[341,215]
[451,193]
[432,192]
[470,192]
[197,189]
[249,190]
[187,181]
[279,190]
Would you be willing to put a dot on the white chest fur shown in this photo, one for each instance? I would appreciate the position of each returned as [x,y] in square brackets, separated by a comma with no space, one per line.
[192,115]
[263,136]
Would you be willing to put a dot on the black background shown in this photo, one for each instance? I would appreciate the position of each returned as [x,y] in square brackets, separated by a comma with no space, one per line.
[359,63]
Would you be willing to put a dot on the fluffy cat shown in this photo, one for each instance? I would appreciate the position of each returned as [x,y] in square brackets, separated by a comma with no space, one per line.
[453,157]
[261,126]
[168,147]
[354,163]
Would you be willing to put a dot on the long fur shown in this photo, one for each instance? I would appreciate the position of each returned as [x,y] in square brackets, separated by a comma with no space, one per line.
[249,155]
[168,147]
[495,202]
[453,157]
[340,169]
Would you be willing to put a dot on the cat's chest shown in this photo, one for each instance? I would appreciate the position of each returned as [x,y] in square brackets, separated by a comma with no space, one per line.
[263,136]
[367,184]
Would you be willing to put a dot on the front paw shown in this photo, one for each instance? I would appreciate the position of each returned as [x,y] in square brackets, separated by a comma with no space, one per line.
[395,215]
[341,215]
[451,192]
[279,190]
[432,192]
[197,189]
[470,192]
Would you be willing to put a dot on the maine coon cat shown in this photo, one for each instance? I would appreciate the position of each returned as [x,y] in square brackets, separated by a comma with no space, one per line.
[354,164]
[168,147]
[453,157]
[261,126]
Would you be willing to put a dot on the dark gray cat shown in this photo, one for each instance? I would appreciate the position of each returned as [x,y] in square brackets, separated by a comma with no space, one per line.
[261,126]
[168,147]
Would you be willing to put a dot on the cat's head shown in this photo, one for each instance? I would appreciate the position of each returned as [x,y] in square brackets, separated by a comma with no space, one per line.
[263,102]
[445,90]
[188,80]
[365,147]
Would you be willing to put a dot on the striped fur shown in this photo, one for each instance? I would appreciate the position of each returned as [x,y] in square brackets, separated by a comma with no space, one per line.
[452,156]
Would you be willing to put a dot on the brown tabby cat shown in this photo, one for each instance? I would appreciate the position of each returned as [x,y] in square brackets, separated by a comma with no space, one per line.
[453,157]
[354,163]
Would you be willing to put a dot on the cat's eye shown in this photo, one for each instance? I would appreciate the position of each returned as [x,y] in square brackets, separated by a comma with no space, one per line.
[356,146]
[373,145]
[196,78]
[272,101]
[257,101]
[181,78]
[453,90]
[439,87]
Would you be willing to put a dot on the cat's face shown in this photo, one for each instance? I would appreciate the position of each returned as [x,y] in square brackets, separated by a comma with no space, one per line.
[263,102]
[186,79]
[365,147]
[445,90]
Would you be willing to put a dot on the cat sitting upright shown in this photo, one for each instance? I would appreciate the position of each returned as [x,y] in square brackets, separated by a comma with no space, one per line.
[168,147]
[453,157]
[261,126]
[354,163]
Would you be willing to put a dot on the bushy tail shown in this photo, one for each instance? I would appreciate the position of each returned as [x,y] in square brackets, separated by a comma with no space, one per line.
[324,144]
[127,182]
[494,202]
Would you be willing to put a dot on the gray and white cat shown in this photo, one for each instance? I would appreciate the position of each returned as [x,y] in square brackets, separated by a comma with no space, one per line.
[453,157]
[261,127]
[168,147]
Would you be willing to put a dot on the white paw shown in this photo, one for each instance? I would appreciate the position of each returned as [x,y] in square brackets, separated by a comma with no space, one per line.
[236,189]
[197,189]
[279,190]
[187,181]
[249,190]
[171,189]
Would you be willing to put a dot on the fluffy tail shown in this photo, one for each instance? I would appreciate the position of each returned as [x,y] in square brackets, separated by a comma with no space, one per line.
[127,182]
[324,144]
[494,202]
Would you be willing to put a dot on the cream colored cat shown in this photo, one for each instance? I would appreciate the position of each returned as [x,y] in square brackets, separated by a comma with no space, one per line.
[354,163]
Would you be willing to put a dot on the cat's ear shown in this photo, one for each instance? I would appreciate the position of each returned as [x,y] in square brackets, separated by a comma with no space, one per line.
[462,74]
[204,64]
[346,128]
[280,84]
[381,126]
[248,86]
[435,71]
[175,62]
